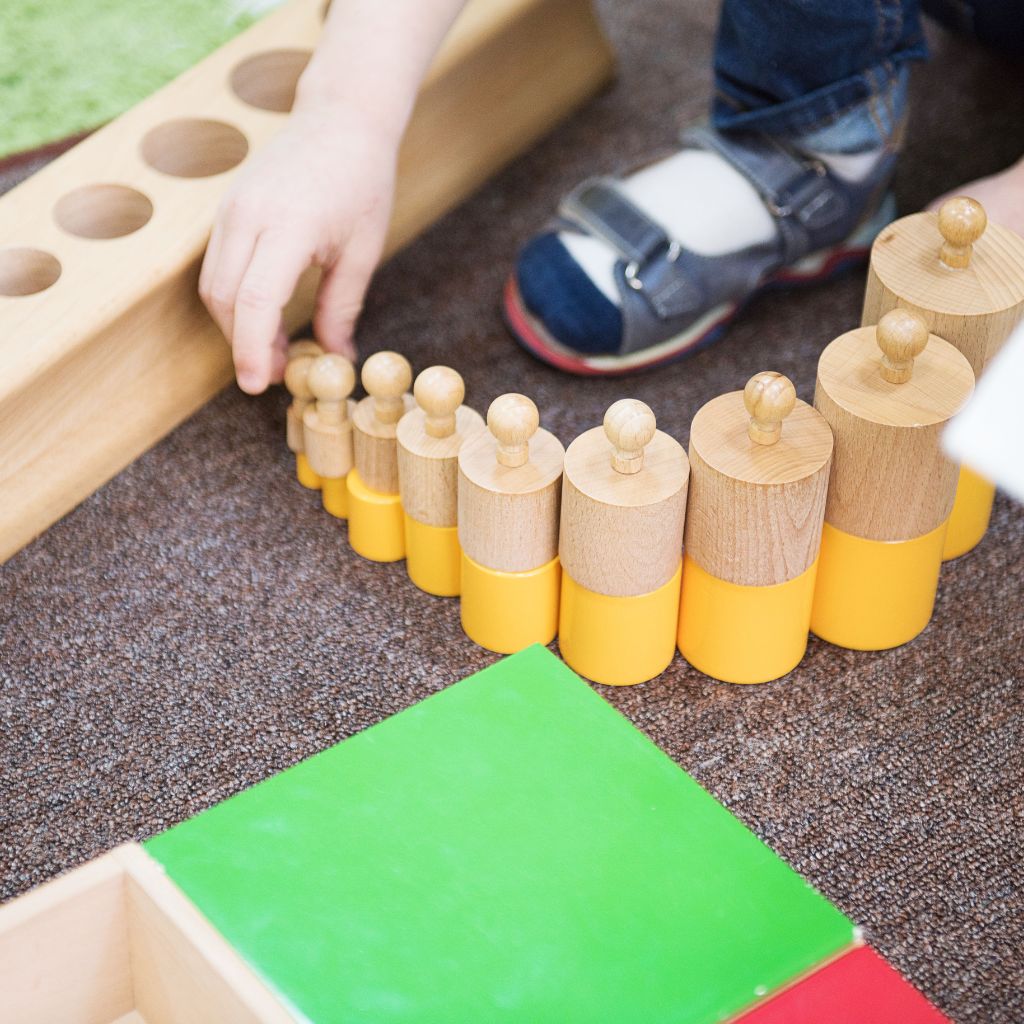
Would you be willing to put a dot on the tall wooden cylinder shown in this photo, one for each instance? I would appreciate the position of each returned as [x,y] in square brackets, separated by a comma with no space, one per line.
[891,488]
[510,480]
[965,277]
[759,466]
[620,544]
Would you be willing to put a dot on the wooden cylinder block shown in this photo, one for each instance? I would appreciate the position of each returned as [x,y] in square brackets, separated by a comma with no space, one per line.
[300,358]
[757,504]
[327,423]
[386,377]
[509,489]
[964,276]
[429,438]
[623,505]
[890,480]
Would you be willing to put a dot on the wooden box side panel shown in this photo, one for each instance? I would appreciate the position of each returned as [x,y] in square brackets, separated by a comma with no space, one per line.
[64,950]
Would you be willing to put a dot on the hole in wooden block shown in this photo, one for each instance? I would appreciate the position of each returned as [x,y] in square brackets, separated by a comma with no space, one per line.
[268,80]
[27,271]
[103,211]
[194,148]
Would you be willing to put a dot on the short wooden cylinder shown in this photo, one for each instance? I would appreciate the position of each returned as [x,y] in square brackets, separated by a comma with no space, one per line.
[890,480]
[375,446]
[428,467]
[328,446]
[508,517]
[755,511]
[621,535]
[974,308]
[295,430]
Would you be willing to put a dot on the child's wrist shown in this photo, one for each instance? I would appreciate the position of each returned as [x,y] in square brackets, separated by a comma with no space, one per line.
[323,98]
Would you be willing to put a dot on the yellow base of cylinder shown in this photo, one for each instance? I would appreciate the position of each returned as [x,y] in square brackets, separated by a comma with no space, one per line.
[507,611]
[335,496]
[433,557]
[305,473]
[874,594]
[744,634]
[376,527]
[972,509]
[618,641]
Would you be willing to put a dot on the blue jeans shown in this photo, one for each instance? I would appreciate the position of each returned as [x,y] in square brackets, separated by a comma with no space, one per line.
[833,73]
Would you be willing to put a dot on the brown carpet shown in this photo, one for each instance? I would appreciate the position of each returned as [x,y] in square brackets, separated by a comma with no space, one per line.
[200,623]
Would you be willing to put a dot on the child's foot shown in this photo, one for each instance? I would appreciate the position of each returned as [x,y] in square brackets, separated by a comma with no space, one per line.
[1002,196]
[640,271]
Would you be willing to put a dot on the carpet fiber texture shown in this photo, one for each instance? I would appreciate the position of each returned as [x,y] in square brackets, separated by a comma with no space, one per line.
[200,623]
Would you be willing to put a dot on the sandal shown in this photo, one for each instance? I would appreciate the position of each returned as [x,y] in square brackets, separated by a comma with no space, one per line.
[675,301]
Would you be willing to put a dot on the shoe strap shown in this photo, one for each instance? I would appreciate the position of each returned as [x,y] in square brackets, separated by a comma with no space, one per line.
[599,209]
[799,192]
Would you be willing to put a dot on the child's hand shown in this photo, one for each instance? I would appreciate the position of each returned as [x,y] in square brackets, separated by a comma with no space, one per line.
[319,193]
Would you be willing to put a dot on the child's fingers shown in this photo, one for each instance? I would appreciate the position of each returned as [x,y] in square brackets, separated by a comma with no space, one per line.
[341,295]
[219,291]
[268,283]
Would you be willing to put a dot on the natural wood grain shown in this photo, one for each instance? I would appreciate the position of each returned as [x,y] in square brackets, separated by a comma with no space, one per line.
[116,941]
[621,529]
[327,423]
[428,463]
[508,515]
[974,307]
[386,377]
[119,344]
[300,357]
[890,480]
[755,511]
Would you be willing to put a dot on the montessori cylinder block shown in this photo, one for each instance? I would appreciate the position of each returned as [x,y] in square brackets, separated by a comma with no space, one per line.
[300,357]
[965,278]
[327,424]
[376,526]
[509,490]
[759,470]
[620,545]
[891,488]
[429,438]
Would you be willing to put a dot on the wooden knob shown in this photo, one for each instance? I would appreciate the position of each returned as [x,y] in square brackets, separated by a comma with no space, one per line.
[439,391]
[769,397]
[331,378]
[304,347]
[902,336]
[296,376]
[630,426]
[962,221]
[386,377]
[513,420]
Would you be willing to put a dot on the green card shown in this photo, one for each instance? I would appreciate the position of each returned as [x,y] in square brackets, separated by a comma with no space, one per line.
[511,849]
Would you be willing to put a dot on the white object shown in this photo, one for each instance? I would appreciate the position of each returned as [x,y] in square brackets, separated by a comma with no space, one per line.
[988,435]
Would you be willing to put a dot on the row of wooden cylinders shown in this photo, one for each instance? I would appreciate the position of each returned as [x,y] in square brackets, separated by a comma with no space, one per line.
[783,518]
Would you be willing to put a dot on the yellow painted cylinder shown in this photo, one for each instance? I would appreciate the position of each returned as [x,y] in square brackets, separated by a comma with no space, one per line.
[376,527]
[972,509]
[305,473]
[618,641]
[335,496]
[874,594]
[744,634]
[433,557]
[507,611]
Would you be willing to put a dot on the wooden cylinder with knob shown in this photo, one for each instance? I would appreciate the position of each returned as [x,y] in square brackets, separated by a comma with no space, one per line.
[376,527]
[327,426]
[508,508]
[429,438]
[965,277]
[759,469]
[620,545]
[891,488]
[300,357]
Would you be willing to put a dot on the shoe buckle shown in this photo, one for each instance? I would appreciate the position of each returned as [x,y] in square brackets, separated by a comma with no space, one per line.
[632,271]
